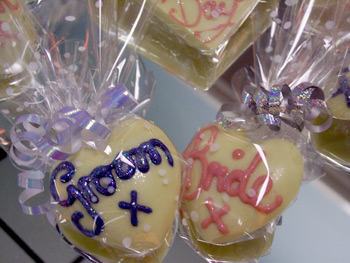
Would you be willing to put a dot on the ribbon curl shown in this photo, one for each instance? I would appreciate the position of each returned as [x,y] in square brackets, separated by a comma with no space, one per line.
[36,142]
[297,107]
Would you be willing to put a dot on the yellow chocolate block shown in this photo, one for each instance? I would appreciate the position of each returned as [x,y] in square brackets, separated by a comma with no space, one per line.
[156,185]
[335,141]
[199,40]
[205,25]
[234,187]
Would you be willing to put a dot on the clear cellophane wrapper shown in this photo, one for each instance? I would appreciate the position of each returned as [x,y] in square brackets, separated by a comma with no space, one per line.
[198,40]
[246,168]
[72,100]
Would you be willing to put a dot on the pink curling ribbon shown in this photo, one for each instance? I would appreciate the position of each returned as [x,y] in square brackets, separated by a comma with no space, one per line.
[34,147]
[297,107]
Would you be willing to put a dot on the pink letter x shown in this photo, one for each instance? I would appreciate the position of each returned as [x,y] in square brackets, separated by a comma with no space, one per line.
[216,216]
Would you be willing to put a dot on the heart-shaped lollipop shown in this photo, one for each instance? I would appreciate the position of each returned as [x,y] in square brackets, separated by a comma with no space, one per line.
[120,201]
[234,186]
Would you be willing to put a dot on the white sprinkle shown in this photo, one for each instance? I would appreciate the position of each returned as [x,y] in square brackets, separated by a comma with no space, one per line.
[215,14]
[9,91]
[184,221]
[162,172]
[132,58]
[94,199]
[33,66]
[98,4]
[225,197]
[70,18]
[81,49]
[14,43]
[111,189]
[176,198]
[78,164]
[147,126]
[5,111]
[20,36]
[348,20]
[73,67]
[127,242]
[202,135]
[291,2]
[67,55]
[214,147]
[295,66]
[329,25]
[251,192]
[165,181]
[273,14]
[268,49]
[5,26]
[287,25]
[189,161]
[308,27]
[147,228]
[278,58]
[278,21]
[37,55]
[19,109]
[107,180]
[194,216]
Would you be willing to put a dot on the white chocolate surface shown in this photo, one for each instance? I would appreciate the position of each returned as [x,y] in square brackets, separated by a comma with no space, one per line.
[152,191]
[283,163]
[203,26]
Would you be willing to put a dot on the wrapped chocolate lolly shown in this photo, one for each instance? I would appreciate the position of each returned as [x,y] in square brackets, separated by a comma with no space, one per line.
[334,143]
[245,169]
[198,40]
[112,179]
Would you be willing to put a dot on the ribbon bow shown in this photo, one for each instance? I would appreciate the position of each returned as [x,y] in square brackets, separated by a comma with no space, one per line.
[34,146]
[297,107]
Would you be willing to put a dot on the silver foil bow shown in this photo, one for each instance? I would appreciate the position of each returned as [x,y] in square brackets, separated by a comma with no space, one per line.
[297,107]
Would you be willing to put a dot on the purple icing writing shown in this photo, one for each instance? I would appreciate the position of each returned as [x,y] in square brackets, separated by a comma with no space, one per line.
[133,206]
[344,87]
[124,165]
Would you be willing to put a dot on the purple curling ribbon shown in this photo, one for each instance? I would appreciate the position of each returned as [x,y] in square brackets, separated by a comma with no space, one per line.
[297,107]
[37,143]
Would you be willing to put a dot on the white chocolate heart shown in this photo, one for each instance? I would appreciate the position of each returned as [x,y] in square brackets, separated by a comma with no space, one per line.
[238,187]
[157,191]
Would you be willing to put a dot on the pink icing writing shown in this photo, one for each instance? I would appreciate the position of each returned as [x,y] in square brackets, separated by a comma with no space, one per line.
[210,10]
[3,33]
[215,216]
[234,183]
[8,4]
